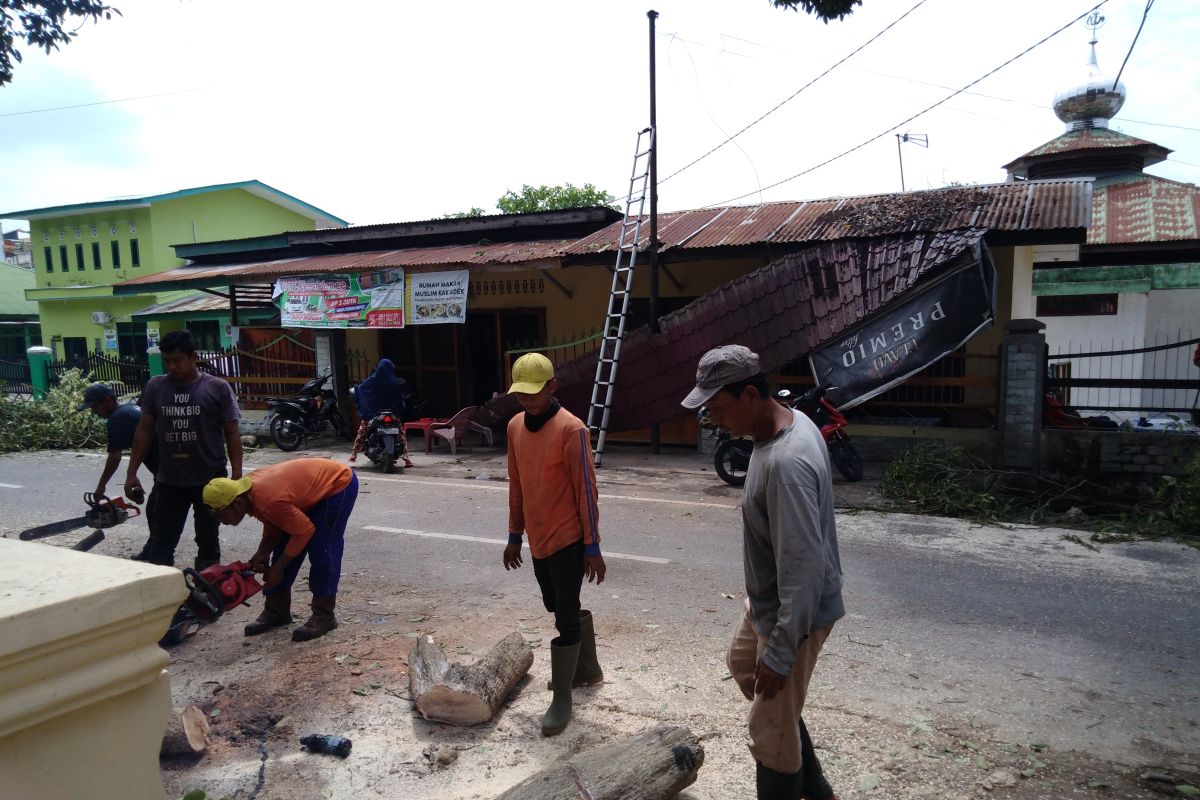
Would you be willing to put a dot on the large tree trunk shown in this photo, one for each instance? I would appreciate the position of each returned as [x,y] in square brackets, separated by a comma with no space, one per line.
[466,695]
[654,765]
[186,734]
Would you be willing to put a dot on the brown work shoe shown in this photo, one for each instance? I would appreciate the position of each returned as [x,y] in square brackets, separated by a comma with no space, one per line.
[320,623]
[276,613]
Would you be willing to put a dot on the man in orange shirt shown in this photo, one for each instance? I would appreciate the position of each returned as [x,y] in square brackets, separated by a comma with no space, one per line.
[304,506]
[552,496]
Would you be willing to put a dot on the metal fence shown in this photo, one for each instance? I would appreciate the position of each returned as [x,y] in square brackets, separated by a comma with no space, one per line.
[14,377]
[1127,376]
[126,377]
[275,369]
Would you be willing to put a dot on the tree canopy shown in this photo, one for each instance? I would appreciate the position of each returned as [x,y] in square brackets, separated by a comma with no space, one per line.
[551,198]
[42,23]
[544,198]
[824,10]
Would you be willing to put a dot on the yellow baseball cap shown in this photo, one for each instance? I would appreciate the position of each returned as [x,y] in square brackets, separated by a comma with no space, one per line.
[220,492]
[530,373]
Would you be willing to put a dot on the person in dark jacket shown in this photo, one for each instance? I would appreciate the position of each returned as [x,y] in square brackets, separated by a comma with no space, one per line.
[383,390]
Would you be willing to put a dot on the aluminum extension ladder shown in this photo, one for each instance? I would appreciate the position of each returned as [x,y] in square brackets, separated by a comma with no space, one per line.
[622,286]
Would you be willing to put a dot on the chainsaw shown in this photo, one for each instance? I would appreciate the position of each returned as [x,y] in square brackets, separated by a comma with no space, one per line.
[211,592]
[102,512]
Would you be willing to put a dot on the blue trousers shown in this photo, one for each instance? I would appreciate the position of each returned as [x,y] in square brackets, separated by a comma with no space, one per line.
[324,549]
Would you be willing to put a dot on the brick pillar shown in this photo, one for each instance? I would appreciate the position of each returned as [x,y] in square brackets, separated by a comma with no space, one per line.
[1022,386]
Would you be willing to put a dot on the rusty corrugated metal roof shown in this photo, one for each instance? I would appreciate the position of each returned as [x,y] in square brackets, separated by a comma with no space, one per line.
[1087,139]
[1144,209]
[1021,206]
[782,311]
[474,255]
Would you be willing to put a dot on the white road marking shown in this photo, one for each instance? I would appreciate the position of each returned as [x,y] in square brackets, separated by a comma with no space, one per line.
[467,484]
[10,486]
[498,542]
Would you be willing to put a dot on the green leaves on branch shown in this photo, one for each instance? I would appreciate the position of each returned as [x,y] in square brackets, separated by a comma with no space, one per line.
[553,198]
[823,10]
[43,23]
[50,422]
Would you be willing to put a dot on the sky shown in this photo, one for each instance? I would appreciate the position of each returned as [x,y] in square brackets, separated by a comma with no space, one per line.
[386,111]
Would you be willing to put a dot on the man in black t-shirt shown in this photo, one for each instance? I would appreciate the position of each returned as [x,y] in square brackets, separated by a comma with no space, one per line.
[193,418]
[121,420]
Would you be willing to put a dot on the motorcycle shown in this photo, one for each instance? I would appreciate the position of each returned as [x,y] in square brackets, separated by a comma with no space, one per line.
[732,456]
[310,412]
[382,443]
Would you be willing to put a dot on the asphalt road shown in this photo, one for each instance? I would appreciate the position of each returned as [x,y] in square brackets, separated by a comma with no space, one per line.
[1036,638]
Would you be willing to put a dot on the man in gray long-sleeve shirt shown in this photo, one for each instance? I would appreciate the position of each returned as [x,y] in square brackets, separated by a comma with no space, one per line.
[793,571]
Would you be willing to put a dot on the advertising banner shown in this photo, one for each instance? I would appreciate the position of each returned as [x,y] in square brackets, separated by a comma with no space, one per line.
[902,339]
[438,297]
[366,300]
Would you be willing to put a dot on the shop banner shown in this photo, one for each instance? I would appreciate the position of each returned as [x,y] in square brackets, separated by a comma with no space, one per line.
[438,297]
[366,300]
[904,338]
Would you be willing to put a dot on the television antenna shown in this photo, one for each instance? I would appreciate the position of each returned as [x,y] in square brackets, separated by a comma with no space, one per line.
[914,138]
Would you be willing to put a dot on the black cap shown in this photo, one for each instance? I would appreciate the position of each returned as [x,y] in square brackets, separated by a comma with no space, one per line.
[94,394]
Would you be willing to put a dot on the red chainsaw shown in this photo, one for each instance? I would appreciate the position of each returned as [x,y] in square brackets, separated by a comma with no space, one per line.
[212,591]
[102,512]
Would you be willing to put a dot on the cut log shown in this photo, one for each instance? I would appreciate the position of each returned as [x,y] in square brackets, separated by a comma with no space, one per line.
[654,765]
[186,734]
[466,695]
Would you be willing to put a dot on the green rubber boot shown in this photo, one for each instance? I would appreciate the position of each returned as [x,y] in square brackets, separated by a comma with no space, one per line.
[562,672]
[587,669]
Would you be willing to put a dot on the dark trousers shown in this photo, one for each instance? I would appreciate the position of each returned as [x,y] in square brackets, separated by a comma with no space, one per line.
[324,549]
[560,577]
[166,514]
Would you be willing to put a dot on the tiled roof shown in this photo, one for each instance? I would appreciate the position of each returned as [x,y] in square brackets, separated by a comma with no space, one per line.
[1020,206]
[1144,208]
[782,311]
[1087,139]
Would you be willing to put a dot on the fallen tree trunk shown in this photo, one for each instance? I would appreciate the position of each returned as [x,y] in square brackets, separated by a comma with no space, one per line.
[466,695]
[186,734]
[654,765]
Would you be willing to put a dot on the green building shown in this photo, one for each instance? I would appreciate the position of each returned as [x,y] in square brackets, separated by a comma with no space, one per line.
[18,316]
[81,250]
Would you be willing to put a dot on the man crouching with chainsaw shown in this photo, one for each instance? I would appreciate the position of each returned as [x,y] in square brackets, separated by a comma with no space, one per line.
[304,506]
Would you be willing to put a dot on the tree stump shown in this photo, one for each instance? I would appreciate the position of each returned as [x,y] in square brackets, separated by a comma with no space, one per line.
[654,765]
[186,734]
[461,695]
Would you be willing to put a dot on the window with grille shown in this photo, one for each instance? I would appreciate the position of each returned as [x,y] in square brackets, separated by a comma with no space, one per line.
[79,256]
[116,254]
[95,255]
[62,255]
[1076,305]
[135,254]
[48,254]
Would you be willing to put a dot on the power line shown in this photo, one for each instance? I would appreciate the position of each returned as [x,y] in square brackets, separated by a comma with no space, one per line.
[1012,99]
[859,49]
[1146,13]
[97,103]
[926,110]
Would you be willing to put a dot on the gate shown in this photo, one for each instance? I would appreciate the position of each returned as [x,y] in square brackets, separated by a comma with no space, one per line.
[125,377]
[15,377]
[1160,377]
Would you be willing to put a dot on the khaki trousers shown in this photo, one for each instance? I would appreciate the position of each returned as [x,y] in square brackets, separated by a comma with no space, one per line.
[774,723]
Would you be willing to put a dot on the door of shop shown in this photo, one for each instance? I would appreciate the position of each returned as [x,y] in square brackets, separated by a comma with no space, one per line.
[451,366]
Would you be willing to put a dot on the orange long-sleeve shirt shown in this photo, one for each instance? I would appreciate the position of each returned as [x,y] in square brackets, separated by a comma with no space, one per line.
[552,492]
[282,494]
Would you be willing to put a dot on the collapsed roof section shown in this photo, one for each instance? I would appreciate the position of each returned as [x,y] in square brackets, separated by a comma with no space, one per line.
[782,311]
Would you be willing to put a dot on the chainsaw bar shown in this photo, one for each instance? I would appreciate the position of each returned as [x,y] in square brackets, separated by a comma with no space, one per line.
[53,529]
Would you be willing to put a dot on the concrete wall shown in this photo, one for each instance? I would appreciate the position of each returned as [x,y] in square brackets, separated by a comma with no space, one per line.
[1121,331]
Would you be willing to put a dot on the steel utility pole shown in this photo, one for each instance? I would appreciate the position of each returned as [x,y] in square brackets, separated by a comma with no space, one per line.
[655,443]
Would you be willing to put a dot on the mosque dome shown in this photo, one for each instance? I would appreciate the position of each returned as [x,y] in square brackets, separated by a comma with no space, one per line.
[1092,102]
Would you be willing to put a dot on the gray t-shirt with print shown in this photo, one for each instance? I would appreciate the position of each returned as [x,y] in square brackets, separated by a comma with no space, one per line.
[793,569]
[188,424]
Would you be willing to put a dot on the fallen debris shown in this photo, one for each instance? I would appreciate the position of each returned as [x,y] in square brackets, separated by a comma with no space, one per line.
[462,695]
[653,765]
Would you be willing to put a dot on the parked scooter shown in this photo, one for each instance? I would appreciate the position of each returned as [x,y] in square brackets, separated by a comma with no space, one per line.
[732,456]
[310,412]
[382,443]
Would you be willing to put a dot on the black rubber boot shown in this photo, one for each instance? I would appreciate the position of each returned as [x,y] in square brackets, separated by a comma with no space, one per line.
[563,659]
[277,612]
[813,781]
[772,785]
[320,623]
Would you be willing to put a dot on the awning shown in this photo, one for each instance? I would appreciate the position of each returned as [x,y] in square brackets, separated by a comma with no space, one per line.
[182,306]
[481,257]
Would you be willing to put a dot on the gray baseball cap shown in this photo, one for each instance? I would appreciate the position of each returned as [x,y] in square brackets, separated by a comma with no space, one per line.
[719,367]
